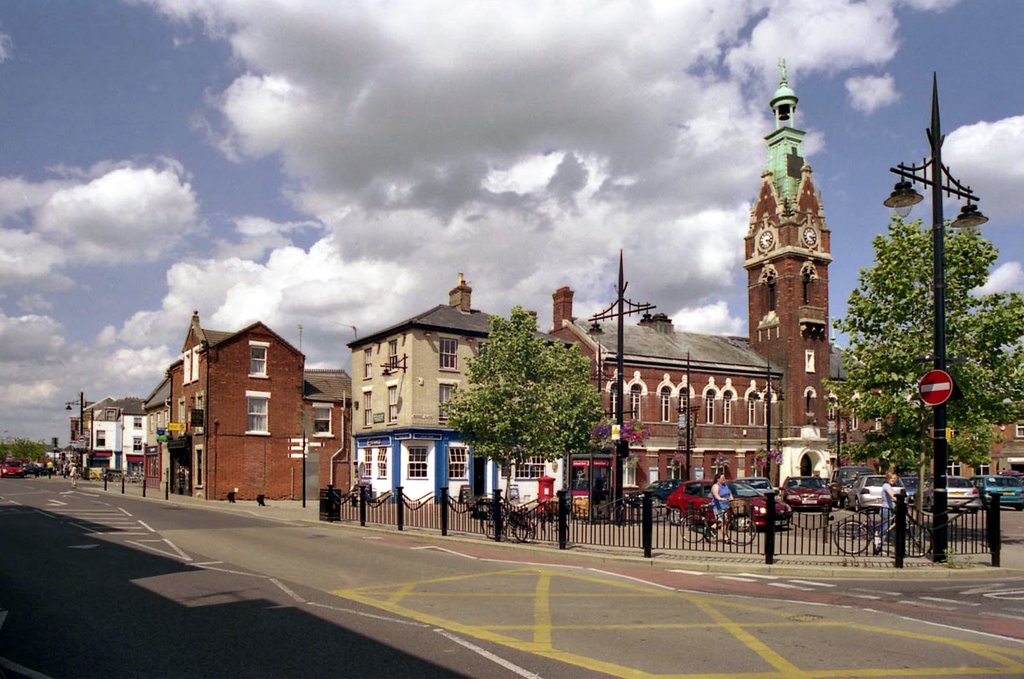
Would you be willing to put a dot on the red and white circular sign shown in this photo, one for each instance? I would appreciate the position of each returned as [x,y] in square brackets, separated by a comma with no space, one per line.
[935,387]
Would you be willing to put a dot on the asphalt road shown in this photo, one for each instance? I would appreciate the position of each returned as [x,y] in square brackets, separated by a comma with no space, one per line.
[101,584]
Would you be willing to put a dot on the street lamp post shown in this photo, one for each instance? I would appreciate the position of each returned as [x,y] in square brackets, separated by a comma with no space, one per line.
[932,173]
[619,309]
[81,426]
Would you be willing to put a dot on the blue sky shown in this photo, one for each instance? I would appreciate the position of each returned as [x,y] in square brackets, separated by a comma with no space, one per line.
[331,164]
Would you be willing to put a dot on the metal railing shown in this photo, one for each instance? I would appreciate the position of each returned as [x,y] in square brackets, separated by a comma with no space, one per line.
[639,522]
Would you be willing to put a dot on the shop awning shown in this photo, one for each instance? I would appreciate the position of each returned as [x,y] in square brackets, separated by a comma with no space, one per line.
[100,453]
[135,458]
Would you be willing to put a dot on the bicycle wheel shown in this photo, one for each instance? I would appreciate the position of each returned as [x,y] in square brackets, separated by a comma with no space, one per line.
[852,536]
[522,528]
[918,541]
[741,530]
[695,531]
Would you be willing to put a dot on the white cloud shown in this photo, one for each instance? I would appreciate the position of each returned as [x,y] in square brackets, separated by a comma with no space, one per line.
[1008,277]
[124,215]
[255,236]
[869,93]
[28,258]
[713,319]
[6,47]
[31,337]
[990,153]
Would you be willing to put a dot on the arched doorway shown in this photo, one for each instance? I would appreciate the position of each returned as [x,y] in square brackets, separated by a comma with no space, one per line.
[806,465]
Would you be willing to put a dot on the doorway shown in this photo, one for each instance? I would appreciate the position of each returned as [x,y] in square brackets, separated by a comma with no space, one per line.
[806,465]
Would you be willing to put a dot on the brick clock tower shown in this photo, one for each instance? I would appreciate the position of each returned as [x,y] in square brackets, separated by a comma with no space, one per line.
[786,257]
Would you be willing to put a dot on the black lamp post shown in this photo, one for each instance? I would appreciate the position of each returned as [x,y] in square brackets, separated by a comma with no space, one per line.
[931,172]
[619,309]
[81,426]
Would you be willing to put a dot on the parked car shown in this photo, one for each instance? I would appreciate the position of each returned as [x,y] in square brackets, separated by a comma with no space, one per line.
[758,483]
[694,495]
[866,491]
[660,489]
[960,494]
[12,468]
[842,480]
[1010,489]
[807,492]
[35,469]
[909,487]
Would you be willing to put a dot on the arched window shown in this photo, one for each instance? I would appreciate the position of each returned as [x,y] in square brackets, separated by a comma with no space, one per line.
[709,406]
[727,398]
[807,287]
[634,401]
[666,404]
[751,410]
[771,295]
[614,401]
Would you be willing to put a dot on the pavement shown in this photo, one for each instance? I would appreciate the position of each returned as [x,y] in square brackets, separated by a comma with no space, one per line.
[293,512]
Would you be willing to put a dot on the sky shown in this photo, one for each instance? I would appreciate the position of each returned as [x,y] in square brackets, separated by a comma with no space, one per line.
[337,165]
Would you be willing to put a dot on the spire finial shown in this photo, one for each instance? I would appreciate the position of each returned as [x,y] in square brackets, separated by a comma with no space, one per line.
[782,71]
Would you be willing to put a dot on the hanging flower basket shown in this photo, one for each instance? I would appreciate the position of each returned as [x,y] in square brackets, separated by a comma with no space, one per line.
[631,431]
[761,458]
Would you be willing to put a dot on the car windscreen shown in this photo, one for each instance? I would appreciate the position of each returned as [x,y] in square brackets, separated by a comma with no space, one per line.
[13,463]
[743,490]
[806,483]
[1004,481]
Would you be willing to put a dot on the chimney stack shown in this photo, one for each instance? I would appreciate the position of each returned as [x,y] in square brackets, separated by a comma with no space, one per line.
[459,296]
[562,309]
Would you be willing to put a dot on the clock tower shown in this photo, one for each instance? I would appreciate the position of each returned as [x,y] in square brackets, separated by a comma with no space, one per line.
[786,259]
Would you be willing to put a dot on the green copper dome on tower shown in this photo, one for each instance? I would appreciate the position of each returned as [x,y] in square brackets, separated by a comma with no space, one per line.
[784,100]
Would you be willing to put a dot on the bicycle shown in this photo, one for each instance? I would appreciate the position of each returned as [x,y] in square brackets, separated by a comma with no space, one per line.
[517,522]
[855,534]
[701,525]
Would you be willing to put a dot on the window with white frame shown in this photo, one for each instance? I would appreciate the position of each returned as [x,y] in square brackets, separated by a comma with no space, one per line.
[258,410]
[367,408]
[321,419]
[634,401]
[101,438]
[382,463]
[258,359]
[953,468]
[366,466]
[854,422]
[614,400]
[709,407]
[444,395]
[458,462]
[727,398]
[393,404]
[629,474]
[751,410]
[195,364]
[447,349]
[392,352]
[532,468]
[984,469]
[137,445]
[417,468]
[666,404]
[137,422]
[368,363]
[186,367]
[1020,431]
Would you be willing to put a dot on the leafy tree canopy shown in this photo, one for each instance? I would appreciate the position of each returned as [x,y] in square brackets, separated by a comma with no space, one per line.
[526,397]
[890,324]
[24,449]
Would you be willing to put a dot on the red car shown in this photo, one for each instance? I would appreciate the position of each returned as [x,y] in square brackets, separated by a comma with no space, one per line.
[695,494]
[12,468]
[806,492]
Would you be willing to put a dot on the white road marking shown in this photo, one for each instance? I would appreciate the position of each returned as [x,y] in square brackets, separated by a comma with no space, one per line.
[736,578]
[146,526]
[877,591]
[92,546]
[788,586]
[364,614]
[680,570]
[57,502]
[986,588]
[286,590]
[812,583]
[866,596]
[516,669]
[447,551]
[948,601]
[176,554]
[911,602]
[755,575]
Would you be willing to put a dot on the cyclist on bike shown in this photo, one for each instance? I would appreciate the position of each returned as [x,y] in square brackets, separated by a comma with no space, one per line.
[888,509]
[720,496]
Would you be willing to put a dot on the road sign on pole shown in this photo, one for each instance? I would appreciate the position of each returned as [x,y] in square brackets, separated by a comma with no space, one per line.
[935,387]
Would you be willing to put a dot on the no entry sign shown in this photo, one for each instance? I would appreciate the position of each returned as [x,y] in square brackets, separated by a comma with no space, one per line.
[935,387]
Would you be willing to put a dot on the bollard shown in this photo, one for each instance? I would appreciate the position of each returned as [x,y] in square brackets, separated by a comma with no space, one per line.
[231,497]
[145,482]
[104,481]
[443,508]
[400,507]
[261,500]
[563,519]
[993,528]
[363,492]
[122,484]
[901,528]
[769,528]
[498,518]
[647,527]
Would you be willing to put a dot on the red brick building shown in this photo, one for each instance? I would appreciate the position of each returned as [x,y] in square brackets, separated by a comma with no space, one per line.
[703,397]
[241,405]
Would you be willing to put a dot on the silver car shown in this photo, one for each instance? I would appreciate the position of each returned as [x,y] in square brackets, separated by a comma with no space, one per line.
[866,491]
[960,494]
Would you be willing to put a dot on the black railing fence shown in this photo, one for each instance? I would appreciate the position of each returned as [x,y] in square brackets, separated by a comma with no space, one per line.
[642,523]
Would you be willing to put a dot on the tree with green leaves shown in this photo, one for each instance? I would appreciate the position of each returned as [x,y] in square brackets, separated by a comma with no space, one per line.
[890,326]
[526,397]
[24,449]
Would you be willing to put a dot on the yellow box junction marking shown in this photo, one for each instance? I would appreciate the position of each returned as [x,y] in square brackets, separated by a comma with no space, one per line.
[400,599]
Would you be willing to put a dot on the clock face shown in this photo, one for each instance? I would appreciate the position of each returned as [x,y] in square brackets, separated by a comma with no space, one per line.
[810,237]
[766,240]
